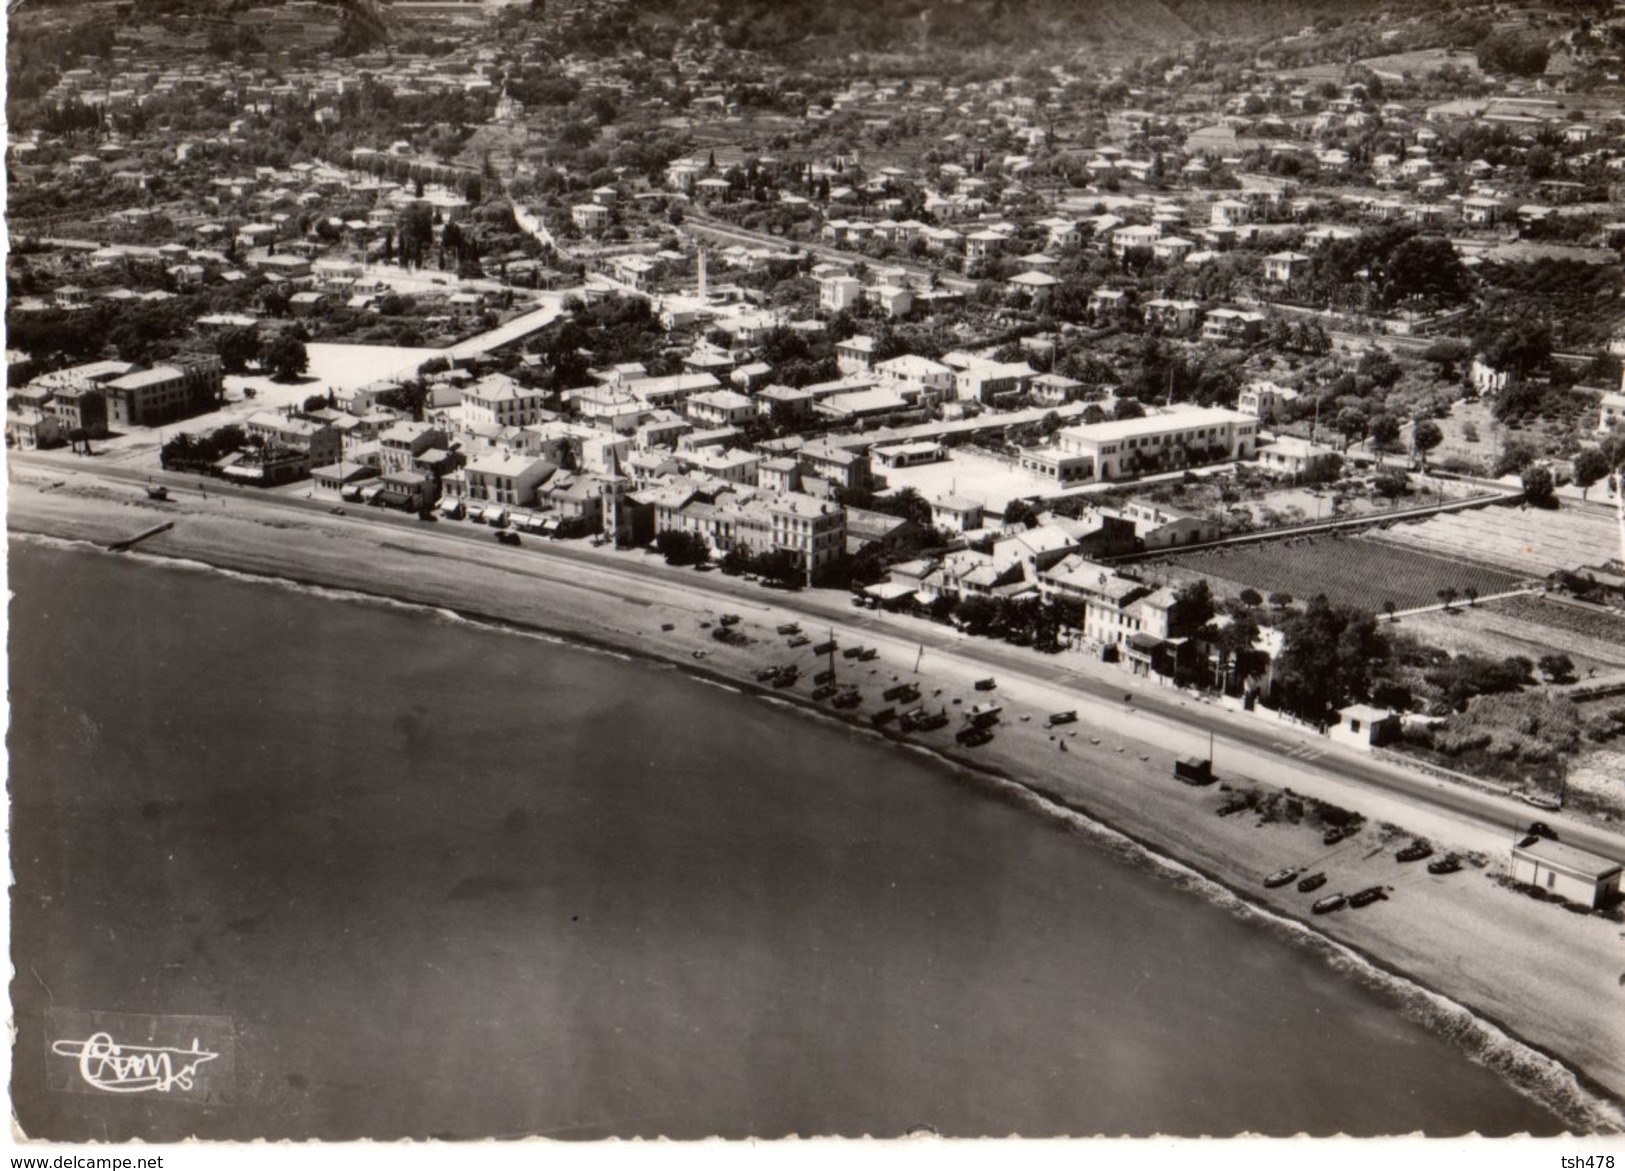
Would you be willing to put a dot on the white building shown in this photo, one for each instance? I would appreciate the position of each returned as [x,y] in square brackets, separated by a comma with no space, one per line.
[1577,875]
[1187,437]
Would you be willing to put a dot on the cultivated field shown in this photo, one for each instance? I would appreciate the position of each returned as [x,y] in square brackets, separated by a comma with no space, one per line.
[1531,542]
[1421,62]
[1351,571]
[1529,626]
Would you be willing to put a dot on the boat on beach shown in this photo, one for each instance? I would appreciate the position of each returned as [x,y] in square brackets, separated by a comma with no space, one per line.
[1329,904]
[1364,898]
[1449,864]
[1280,877]
[1414,852]
[1312,882]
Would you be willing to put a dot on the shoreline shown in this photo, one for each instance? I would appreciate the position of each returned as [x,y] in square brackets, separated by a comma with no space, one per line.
[1159,821]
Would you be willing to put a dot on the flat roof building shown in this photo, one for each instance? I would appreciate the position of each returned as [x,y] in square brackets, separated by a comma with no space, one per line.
[1187,437]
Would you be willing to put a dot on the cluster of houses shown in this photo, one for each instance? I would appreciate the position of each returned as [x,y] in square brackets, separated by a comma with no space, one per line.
[92,399]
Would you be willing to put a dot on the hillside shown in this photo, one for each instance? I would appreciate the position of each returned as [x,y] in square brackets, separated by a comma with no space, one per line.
[1061,25]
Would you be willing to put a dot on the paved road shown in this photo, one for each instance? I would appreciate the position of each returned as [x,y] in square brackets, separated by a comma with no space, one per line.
[622,574]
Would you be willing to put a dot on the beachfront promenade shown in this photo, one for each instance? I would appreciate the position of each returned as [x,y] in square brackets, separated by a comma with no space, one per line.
[1263,746]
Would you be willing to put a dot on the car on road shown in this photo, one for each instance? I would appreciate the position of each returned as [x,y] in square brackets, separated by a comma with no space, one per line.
[507,536]
[1540,829]
[1541,800]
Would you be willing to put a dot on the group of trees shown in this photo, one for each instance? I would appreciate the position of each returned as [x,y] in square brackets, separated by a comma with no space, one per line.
[284,357]
[1328,656]
[199,453]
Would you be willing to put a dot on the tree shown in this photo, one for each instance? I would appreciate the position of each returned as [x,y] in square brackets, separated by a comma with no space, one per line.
[1425,436]
[1447,595]
[1235,641]
[907,503]
[1384,432]
[1328,656]
[1514,51]
[1538,485]
[285,358]
[1390,483]
[1251,598]
[1020,512]
[237,347]
[1192,609]
[976,614]
[1351,423]
[1590,465]
[1556,667]
[1391,608]
[1423,268]
[1280,600]
[681,548]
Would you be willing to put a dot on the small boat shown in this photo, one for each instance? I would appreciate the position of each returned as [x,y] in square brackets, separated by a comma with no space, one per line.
[973,737]
[157,492]
[800,640]
[786,677]
[1312,882]
[883,717]
[1281,877]
[824,691]
[851,652]
[932,722]
[790,628]
[1414,852]
[986,684]
[1449,864]
[910,719]
[767,674]
[1058,718]
[1329,904]
[1333,835]
[825,648]
[902,692]
[824,677]
[1541,800]
[868,655]
[1366,897]
[983,714]
[851,697]
[729,619]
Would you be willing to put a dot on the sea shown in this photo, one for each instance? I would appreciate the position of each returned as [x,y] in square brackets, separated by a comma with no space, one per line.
[448,880]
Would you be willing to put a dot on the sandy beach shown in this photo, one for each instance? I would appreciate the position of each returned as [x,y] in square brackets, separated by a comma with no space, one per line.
[1542,983]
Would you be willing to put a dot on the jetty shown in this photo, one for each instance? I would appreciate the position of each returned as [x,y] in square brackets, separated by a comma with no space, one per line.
[131,542]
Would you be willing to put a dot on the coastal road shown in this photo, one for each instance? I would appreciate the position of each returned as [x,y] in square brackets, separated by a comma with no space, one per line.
[628,575]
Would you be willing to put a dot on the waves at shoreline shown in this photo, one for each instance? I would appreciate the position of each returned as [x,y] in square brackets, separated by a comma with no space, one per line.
[1538,1076]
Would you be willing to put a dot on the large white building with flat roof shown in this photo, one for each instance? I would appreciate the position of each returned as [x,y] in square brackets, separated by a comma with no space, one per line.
[1124,449]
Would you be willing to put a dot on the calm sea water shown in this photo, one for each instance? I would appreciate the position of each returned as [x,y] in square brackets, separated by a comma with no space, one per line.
[459,882]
